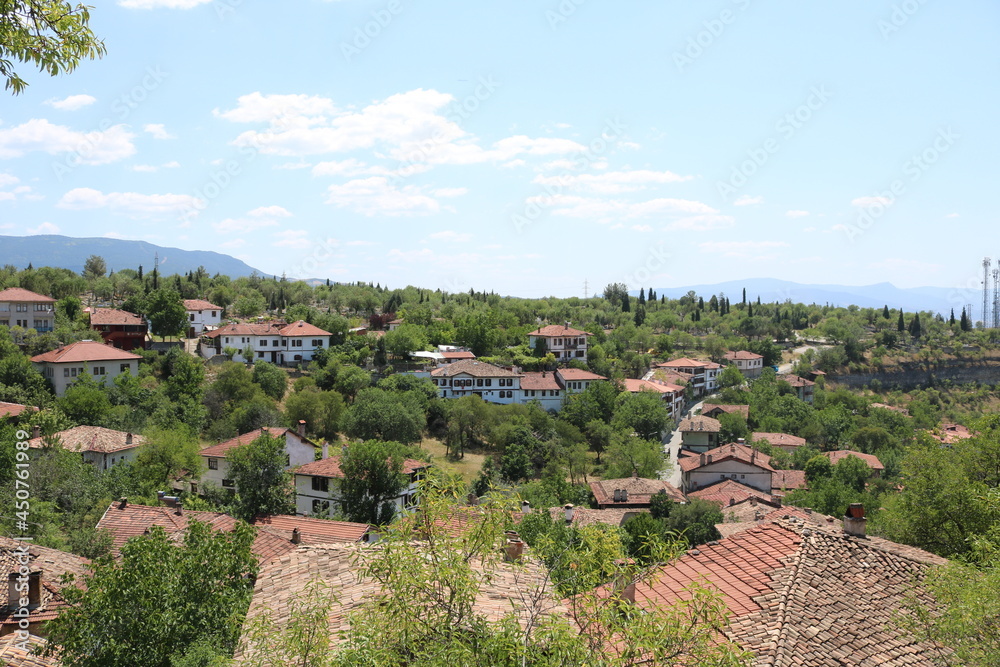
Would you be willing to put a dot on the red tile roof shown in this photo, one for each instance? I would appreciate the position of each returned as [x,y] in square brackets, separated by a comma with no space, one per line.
[199,304]
[114,317]
[699,423]
[84,351]
[950,433]
[728,492]
[730,452]
[219,451]
[460,354]
[576,374]
[92,439]
[302,328]
[313,531]
[840,454]
[780,439]
[708,410]
[797,381]
[474,368]
[13,655]
[788,480]
[53,564]
[543,381]
[640,490]
[686,362]
[18,295]
[330,467]
[12,409]
[248,329]
[742,355]
[635,386]
[558,331]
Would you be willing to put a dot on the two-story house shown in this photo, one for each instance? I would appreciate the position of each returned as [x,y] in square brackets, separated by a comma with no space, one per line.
[119,328]
[739,463]
[317,486]
[276,342]
[26,309]
[201,315]
[672,394]
[702,375]
[575,380]
[543,387]
[750,364]
[299,450]
[699,433]
[804,388]
[471,377]
[64,365]
[564,342]
[102,447]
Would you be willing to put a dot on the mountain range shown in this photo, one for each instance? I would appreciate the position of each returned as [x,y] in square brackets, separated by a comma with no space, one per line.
[71,253]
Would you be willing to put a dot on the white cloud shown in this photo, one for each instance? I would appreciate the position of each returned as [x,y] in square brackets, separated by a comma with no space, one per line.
[258,218]
[131,204]
[747,200]
[451,236]
[96,147]
[796,214]
[293,238]
[741,248]
[450,192]
[608,210]
[157,4]
[149,168]
[376,196]
[71,103]
[952,215]
[270,212]
[157,130]
[612,182]
[44,228]
[641,228]
[10,190]
[257,108]
[293,165]
[866,202]
[701,223]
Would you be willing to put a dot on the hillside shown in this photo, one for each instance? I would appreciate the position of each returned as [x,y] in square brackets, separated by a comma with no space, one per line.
[71,253]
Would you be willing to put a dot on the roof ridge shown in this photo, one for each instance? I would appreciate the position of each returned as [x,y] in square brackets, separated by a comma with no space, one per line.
[785,596]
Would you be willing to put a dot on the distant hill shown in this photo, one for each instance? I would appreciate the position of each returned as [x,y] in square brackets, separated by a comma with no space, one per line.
[71,253]
[935,299]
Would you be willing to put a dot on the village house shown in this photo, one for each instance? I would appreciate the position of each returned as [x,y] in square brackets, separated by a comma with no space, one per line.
[201,315]
[803,388]
[317,491]
[564,342]
[806,592]
[28,310]
[46,568]
[729,493]
[631,492]
[12,410]
[64,365]
[543,387]
[298,451]
[750,364]
[471,377]
[699,433]
[714,411]
[120,328]
[783,441]
[575,380]
[275,342]
[702,375]
[733,461]
[672,395]
[949,434]
[870,460]
[101,447]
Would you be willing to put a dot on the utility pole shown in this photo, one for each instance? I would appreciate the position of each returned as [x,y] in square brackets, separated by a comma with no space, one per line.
[586,292]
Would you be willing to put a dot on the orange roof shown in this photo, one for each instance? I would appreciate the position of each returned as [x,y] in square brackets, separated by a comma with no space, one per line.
[710,409]
[576,374]
[685,362]
[113,316]
[797,381]
[648,385]
[52,564]
[248,329]
[558,331]
[330,467]
[199,304]
[780,439]
[788,480]
[459,354]
[86,350]
[840,454]
[640,490]
[92,439]
[728,452]
[743,355]
[474,368]
[302,328]
[313,531]
[219,451]
[698,423]
[729,492]
[11,409]
[540,381]
[18,295]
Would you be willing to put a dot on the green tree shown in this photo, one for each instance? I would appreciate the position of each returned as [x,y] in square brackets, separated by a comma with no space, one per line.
[70,306]
[852,472]
[94,268]
[372,479]
[52,35]
[160,599]
[818,468]
[321,410]
[86,401]
[164,455]
[642,413]
[733,426]
[263,486]
[630,455]
[388,416]
[271,379]
[165,310]
[404,339]
[730,377]
[695,521]
[350,380]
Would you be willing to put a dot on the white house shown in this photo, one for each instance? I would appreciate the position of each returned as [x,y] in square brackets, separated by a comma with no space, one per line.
[63,365]
[750,364]
[317,492]
[102,447]
[276,342]
[299,450]
[26,309]
[734,461]
[575,380]
[703,375]
[672,394]
[201,315]
[562,341]
[543,387]
[467,377]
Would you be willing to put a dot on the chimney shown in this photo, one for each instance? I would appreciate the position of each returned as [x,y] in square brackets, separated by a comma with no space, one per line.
[741,441]
[732,501]
[296,536]
[123,503]
[525,507]
[635,473]
[326,450]
[854,520]
[709,457]
[302,428]
[753,501]
[514,549]
[472,499]
[702,459]
[567,324]
[128,438]
[569,510]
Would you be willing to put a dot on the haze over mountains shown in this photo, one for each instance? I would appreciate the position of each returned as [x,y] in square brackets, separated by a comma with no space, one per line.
[71,253]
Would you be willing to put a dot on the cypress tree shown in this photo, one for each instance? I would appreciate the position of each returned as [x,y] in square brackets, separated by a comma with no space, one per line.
[885,311]
[750,310]
[642,296]
[900,324]
[951,320]
[744,296]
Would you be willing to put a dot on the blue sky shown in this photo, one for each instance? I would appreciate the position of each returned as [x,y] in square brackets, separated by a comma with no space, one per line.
[526,147]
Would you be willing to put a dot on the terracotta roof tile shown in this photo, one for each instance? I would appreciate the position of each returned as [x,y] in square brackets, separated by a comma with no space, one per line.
[699,423]
[779,439]
[272,328]
[558,331]
[330,467]
[84,351]
[199,304]
[19,295]
[219,451]
[52,564]
[543,381]
[742,355]
[115,317]
[797,381]
[92,439]
[640,490]
[635,386]
[712,410]
[12,655]
[313,531]
[788,479]
[728,452]
[474,368]
[728,492]
[841,454]
[302,328]
[11,409]
[575,374]
[459,354]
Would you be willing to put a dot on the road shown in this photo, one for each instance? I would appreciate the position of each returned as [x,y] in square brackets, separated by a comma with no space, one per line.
[672,446]
[796,353]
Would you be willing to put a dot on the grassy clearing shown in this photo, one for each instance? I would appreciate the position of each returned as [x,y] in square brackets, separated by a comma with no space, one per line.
[468,467]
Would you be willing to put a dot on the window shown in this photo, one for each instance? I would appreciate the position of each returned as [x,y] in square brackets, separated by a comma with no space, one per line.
[40,307]
[489,383]
[260,355]
[192,317]
[72,372]
[21,308]
[65,372]
[124,368]
[321,507]
[317,342]
[479,382]
[228,482]
[213,464]
[263,343]
[297,342]
[214,314]
[321,484]
[98,370]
